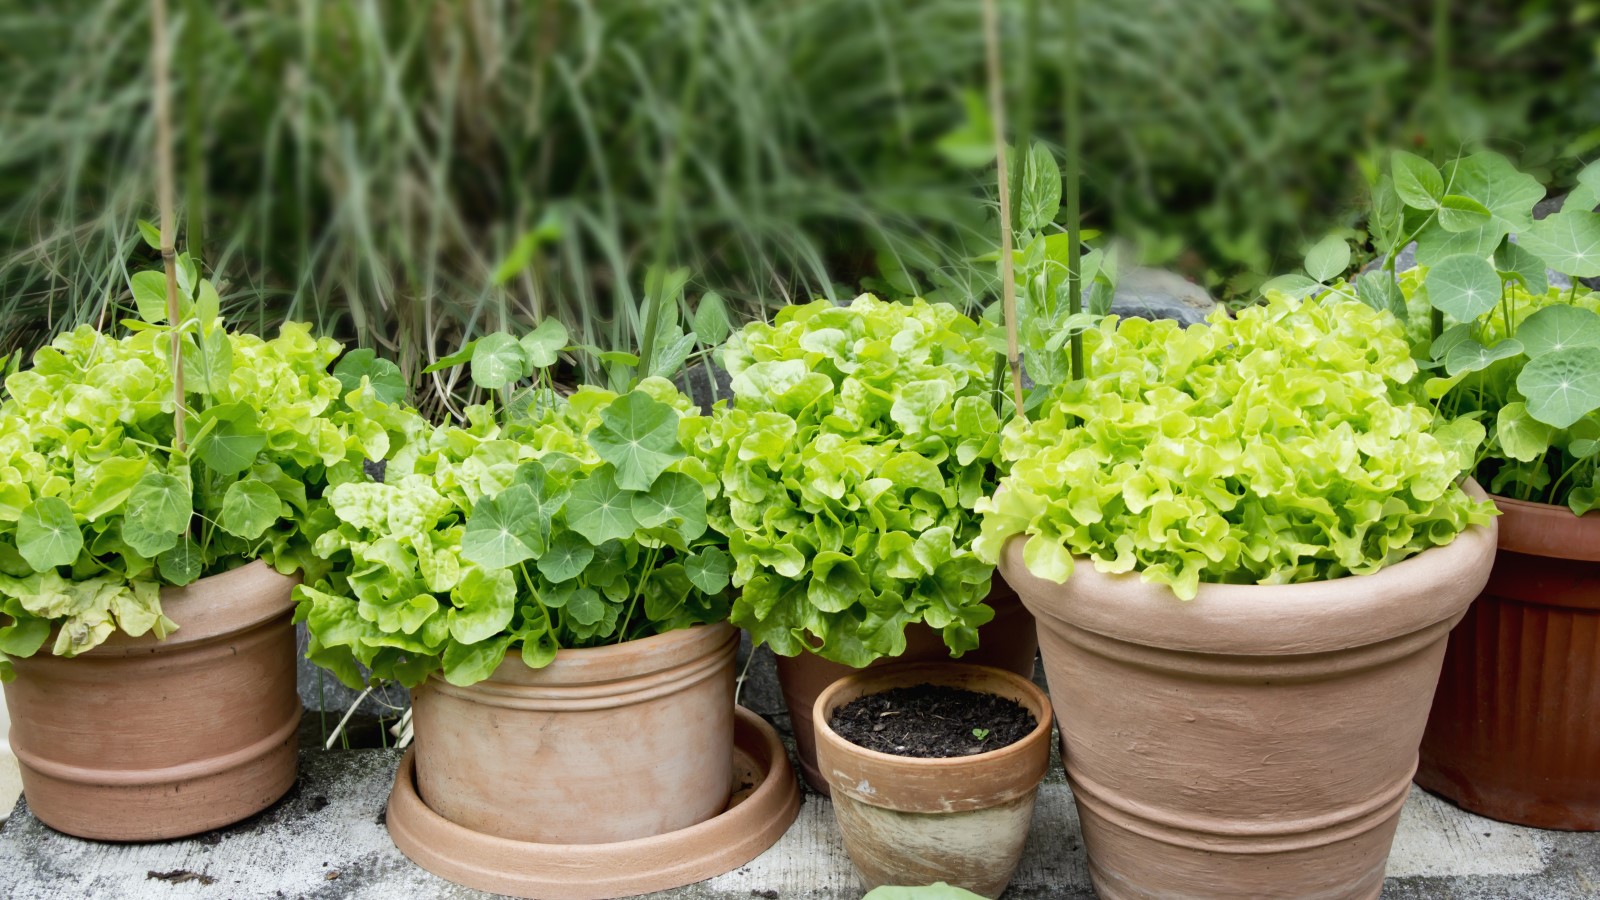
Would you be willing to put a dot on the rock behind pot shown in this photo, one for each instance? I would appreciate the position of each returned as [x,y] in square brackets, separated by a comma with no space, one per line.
[1008,641]
[1514,733]
[1256,741]
[140,739]
[602,745]
[910,820]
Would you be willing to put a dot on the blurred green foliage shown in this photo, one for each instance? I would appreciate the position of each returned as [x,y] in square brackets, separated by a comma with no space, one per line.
[409,176]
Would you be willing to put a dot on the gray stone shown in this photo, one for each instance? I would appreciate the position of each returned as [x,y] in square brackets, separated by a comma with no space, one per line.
[1159,294]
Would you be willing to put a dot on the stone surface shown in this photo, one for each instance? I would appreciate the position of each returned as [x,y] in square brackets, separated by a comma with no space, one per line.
[1159,294]
[326,839]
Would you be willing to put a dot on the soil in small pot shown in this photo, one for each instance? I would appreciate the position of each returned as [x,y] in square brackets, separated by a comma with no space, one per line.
[932,722]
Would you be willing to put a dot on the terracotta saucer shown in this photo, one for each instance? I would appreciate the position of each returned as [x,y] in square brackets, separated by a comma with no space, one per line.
[760,812]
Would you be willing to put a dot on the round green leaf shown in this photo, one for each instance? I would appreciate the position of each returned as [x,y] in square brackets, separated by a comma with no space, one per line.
[1471,356]
[639,436]
[711,320]
[1514,261]
[710,570]
[388,384]
[1522,437]
[230,444]
[1328,259]
[160,503]
[585,606]
[1558,328]
[1417,182]
[675,499]
[48,535]
[150,296]
[1459,213]
[249,508]
[539,650]
[502,530]
[568,555]
[1463,286]
[498,360]
[544,343]
[181,564]
[1562,387]
[599,510]
[1568,241]
[1493,181]
[468,664]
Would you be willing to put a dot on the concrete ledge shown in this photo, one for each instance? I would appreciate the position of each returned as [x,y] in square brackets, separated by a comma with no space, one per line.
[326,839]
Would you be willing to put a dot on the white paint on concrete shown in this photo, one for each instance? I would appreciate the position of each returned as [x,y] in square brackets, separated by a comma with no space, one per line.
[1437,838]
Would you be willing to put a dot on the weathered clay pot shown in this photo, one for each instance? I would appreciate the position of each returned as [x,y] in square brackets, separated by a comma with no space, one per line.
[1515,729]
[602,745]
[961,820]
[1256,741]
[1009,641]
[141,740]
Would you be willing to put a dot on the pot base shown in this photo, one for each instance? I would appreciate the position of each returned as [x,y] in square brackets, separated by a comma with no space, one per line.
[765,802]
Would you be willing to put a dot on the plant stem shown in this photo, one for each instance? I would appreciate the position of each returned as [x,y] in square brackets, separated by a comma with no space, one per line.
[161,64]
[1074,175]
[1008,287]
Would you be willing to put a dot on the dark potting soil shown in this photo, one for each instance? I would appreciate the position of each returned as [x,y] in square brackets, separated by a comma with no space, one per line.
[932,722]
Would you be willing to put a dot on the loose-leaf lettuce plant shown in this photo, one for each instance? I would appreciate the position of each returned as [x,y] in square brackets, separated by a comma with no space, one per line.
[859,441]
[99,510]
[1507,348]
[549,522]
[1280,446]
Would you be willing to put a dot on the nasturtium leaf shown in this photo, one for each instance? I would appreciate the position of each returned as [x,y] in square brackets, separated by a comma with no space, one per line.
[639,436]
[544,343]
[233,439]
[1328,259]
[161,504]
[711,320]
[498,361]
[585,606]
[502,530]
[1460,213]
[182,564]
[48,535]
[468,664]
[1562,387]
[1463,287]
[1471,356]
[675,499]
[1461,437]
[249,508]
[150,296]
[539,650]
[1416,181]
[1559,327]
[1586,193]
[710,570]
[568,555]
[1522,437]
[547,490]
[1568,241]
[599,509]
[1435,244]
[1513,260]
[388,384]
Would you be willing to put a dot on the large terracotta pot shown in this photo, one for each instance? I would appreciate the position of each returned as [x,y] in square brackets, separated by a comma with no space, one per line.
[961,820]
[141,740]
[602,745]
[1256,741]
[1515,729]
[1008,641]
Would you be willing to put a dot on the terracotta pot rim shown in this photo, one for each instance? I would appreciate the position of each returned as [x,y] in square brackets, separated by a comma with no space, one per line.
[613,662]
[1020,747]
[1547,529]
[205,610]
[1433,586]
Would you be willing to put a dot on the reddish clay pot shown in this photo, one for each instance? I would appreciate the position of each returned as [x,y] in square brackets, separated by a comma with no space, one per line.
[961,820]
[602,745]
[1515,732]
[143,740]
[1256,741]
[1008,641]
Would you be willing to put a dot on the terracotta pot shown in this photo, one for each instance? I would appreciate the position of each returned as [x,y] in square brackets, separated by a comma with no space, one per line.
[1256,741]
[1514,733]
[1009,641]
[141,740]
[602,745]
[961,820]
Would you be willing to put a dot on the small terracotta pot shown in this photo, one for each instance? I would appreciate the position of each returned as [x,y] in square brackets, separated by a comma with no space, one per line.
[961,820]
[602,745]
[1008,641]
[142,740]
[1256,741]
[1515,732]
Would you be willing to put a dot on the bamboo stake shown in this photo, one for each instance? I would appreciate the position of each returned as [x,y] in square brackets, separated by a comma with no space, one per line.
[165,197]
[1074,185]
[1008,287]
